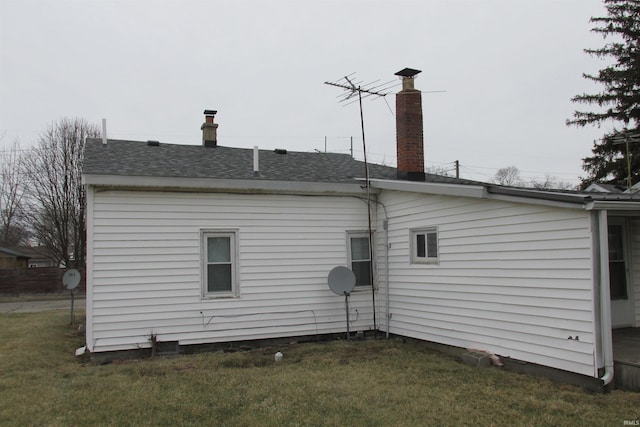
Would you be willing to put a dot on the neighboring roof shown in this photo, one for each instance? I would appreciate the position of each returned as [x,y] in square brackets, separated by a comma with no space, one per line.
[36,252]
[137,158]
[605,188]
[13,252]
[634,188]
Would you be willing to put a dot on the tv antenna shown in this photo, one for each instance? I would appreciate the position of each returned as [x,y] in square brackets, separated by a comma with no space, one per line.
[352,87]
[374,88]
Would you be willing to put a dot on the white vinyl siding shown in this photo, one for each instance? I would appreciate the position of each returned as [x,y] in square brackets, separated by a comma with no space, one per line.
[512,279]
[145,267]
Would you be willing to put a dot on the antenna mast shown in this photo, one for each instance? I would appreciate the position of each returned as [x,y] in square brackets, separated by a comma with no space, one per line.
[370,89]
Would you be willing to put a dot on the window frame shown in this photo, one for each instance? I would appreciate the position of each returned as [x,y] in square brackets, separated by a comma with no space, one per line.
[413,239]
[618,293]
[359,235]
[232,234]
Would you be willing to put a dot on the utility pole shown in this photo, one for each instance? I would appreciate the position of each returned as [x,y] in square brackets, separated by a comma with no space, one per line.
[457,169]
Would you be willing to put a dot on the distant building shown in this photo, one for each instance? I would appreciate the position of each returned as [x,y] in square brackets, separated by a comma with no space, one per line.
[39,256]
[12,259]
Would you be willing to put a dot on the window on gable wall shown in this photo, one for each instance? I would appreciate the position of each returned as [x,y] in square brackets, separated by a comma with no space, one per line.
[424,246]
[360,257]
[219,275]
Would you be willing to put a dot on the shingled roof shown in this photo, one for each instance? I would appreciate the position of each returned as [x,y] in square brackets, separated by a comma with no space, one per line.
[139,158]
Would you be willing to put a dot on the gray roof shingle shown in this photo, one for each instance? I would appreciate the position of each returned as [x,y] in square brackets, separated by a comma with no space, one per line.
[137,158]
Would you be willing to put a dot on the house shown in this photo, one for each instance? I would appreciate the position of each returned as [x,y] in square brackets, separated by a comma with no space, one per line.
[39,257]
[605,188]
[12,258]
[210,244]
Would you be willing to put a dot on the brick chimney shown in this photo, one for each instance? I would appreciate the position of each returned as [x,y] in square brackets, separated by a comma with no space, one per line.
[209,129]
[409,139]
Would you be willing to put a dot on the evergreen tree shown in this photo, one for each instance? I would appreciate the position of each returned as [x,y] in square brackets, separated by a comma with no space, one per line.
[620,98]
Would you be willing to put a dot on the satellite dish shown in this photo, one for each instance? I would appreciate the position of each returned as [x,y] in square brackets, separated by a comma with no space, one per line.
[71,279]
[341,280]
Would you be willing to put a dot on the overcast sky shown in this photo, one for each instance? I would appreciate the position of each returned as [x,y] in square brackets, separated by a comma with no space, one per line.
[508,68]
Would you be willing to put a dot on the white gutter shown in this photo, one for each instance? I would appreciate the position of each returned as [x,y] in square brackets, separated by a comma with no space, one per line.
[536,201]
[222,185]
[605,299]
[89,215]
[385,226]
[613,205]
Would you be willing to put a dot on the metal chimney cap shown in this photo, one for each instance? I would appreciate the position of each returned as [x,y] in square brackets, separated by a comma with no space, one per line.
[407,72]
[210,112]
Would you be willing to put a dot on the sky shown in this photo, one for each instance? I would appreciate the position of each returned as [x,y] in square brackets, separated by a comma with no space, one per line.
[497,75]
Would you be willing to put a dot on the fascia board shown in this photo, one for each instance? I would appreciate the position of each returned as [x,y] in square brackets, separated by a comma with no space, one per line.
[476,191]
[613,206]
[537,202]
[220,185]
[537,197]
[570,201]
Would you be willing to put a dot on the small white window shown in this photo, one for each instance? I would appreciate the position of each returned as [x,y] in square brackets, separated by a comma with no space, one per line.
[219,276]
[424,246]
[360,257]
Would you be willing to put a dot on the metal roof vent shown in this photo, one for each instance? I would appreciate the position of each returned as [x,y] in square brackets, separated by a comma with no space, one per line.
[153,143]
[408,75]
[280,151]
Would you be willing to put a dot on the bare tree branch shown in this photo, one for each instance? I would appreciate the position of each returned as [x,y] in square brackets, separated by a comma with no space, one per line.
[508,176]
[55,168]
[12,190]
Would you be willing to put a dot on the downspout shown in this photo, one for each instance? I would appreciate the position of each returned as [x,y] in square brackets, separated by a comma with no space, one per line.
[385,226]
[605,299]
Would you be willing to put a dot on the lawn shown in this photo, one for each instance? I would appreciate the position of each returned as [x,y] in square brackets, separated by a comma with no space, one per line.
[364,383]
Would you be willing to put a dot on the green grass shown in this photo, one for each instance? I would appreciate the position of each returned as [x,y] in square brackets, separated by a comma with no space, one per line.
[372,383]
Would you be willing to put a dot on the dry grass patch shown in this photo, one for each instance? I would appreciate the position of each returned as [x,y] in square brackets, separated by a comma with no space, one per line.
[8,298]
[372,383]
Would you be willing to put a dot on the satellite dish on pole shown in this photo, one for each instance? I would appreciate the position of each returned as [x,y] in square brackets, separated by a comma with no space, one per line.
[342,281]
[71,279]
